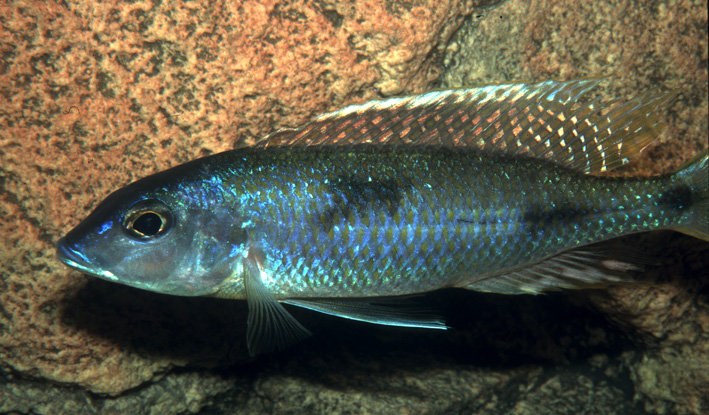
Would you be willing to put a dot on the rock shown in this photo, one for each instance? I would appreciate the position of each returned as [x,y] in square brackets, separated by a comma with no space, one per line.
[97,95]
[650,48]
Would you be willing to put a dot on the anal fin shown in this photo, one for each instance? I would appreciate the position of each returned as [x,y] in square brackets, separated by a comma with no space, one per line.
[581,268]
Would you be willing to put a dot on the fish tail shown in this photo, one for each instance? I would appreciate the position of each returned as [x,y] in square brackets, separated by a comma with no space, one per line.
[694,178]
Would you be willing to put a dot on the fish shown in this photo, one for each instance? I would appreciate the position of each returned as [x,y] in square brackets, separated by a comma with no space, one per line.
[498,188]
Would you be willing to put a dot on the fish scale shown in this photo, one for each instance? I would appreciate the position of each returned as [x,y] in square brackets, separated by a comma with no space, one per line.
[488,232]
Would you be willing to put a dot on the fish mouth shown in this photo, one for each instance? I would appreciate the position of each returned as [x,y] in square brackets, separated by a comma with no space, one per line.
[74,259]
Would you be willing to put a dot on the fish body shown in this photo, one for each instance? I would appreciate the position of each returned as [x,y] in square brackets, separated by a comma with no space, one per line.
[493,189]
[370,221]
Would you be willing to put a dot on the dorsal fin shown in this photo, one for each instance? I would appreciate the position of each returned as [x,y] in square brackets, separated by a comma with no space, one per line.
[544,120]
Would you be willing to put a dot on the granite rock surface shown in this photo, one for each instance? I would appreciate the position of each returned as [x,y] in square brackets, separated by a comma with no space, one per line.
[95,95]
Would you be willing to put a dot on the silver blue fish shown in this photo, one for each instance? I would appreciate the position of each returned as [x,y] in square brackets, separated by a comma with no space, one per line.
[494,189]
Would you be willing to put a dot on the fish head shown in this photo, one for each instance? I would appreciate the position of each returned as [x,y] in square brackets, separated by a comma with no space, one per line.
[159,237]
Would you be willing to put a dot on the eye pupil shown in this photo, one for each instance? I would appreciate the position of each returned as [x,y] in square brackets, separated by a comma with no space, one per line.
[148,224]
[148,220]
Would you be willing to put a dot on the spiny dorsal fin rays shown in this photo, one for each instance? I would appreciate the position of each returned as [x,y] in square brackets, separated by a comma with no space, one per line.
[543,120]
[413,119]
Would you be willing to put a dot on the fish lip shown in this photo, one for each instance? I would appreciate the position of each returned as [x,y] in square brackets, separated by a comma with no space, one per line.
[76,260]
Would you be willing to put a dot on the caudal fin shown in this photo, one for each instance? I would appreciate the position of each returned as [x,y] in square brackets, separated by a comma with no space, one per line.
[695,175]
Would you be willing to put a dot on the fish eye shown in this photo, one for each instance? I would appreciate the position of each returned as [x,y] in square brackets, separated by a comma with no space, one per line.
[148,220]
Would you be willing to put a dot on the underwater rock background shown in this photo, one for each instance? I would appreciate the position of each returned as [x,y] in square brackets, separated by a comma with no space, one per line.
[95,95]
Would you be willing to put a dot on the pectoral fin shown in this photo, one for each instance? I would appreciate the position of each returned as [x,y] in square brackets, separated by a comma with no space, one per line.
[390,311]
[270,326]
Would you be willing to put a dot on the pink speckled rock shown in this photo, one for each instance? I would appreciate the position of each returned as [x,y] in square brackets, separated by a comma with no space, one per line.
[95,95]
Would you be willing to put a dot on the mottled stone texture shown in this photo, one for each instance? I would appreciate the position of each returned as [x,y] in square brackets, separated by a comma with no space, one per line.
[94,95]
[638,46]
